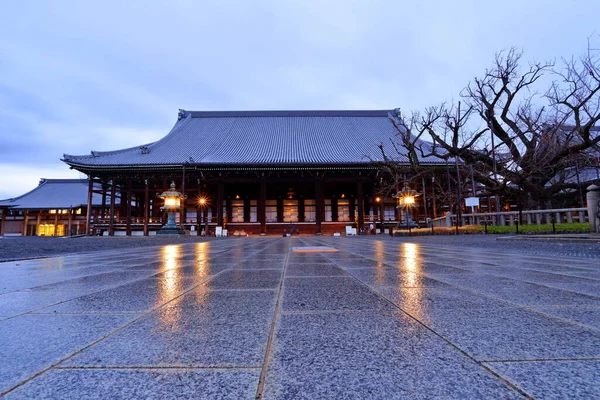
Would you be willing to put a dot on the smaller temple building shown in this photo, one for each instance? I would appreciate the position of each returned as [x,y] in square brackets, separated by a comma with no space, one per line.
[56,207]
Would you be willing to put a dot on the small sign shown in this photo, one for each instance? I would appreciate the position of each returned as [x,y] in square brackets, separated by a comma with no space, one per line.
[472,201]
[219,231]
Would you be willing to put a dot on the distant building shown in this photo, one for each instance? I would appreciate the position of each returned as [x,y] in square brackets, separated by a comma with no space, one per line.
[57,207]
[261,172]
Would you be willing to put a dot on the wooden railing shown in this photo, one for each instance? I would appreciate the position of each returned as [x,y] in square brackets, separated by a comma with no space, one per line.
[510,217]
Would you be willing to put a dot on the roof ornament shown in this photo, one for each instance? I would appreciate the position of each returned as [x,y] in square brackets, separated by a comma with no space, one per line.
[398,113]
[144,149]
[180,114]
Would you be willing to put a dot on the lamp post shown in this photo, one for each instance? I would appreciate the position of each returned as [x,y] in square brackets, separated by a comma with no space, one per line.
[203,204]
[406,199]
[172,205]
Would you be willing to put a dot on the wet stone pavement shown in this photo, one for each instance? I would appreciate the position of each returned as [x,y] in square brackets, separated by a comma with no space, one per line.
[251,318]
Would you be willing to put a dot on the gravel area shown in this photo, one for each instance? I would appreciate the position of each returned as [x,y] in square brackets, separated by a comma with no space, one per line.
[16,248]
[552,246]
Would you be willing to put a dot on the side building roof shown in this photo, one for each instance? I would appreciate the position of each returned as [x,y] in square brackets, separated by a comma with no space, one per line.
[53,194]
[259,138]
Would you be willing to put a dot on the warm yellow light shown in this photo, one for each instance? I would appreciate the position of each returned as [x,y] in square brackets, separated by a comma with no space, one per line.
[409,200]
[171,201]
[378,199]
[202,201]
[237,196]
[343,196]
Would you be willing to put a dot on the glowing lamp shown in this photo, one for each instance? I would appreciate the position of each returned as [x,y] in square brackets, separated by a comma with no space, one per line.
[406,199]
[172,202]
[172,205]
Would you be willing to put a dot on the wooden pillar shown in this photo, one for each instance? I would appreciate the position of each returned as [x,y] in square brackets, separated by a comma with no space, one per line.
[220,191]
[279,209]
[88,213]
[361,206]
[146,206]
[3,220]
[382,214]
[352,204]
[55,223]
[262,202]
[301,216]
[111,220]
[69,223]
[319,205]
[37,222]
[425,211]
[103,207]
[246,210]
[25,222]
[433,205]
[129,196]
[229,209]
[334,209]
[183,201]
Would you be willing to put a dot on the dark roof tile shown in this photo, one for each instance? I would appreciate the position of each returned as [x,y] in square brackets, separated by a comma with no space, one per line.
[260,137]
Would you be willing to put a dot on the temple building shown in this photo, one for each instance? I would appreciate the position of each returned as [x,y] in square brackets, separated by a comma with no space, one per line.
[251,172]
[56,207]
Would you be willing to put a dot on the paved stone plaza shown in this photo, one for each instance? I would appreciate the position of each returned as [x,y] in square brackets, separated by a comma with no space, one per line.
[245,318]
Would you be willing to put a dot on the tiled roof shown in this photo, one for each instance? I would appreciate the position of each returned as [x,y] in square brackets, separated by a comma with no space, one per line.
[213,138]
[54,194]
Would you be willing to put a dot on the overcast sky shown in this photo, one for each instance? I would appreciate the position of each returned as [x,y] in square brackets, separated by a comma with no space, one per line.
[77,76]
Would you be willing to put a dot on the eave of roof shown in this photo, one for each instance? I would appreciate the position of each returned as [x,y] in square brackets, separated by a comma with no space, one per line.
[53,194]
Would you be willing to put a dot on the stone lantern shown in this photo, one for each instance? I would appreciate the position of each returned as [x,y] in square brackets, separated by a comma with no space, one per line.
[172,206]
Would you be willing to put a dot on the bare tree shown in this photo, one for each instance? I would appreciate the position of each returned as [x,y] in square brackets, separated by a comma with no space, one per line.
[516,138]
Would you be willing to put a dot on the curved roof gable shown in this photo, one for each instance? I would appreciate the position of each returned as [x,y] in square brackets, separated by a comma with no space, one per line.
[53,194]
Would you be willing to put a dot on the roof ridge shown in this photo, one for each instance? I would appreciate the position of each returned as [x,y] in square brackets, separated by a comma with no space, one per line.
[286,113]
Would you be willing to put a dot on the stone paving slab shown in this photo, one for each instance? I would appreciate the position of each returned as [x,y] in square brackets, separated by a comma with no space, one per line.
[334,358]
[32,343]
[588,316]
[314,270]
[329,293]
[139,296]
[205,328]
[247,279]
[394,277]
[494,330]
[553,379]
[155,384]
[431,317]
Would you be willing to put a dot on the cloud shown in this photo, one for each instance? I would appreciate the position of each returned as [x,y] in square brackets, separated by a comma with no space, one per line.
[20,180]
[81,76]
